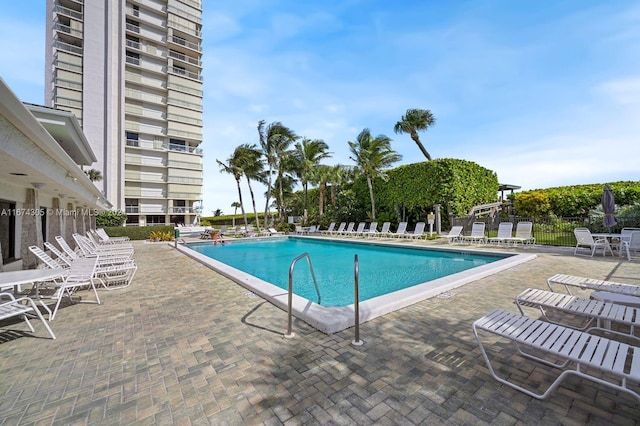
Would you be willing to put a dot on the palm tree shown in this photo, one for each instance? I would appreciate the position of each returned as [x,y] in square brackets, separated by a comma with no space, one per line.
[321,175]
[274,141]
[309,153]
[94,175]
[252,165]
[372,156]
[232,166]
[235,206]
[413,121]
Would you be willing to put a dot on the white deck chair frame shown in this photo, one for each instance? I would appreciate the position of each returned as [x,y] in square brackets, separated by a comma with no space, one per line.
[585,239]
[477,233]
[455,234]
[592,284]
[597,314]
[22,307]
[80,275]
[524,234]
[384,231]
[417,233]
[400,232]
[504,234]
[579,353]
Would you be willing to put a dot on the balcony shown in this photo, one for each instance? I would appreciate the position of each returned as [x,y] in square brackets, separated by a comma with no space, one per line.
[183,134]
[184,119]
[133,44]
[183,28]
[133,61]
[184,14]
[185,58]
[190,105]
[182,42]
[71,48]
[181,148]
[193,3]
[67,66]
[185,165]
[133,28]
[184,195]
[67,84]
[187,180]
[141,193]
[185,73]
[68,12]
[68,102]
[144,210]
[182,209]
[68,30]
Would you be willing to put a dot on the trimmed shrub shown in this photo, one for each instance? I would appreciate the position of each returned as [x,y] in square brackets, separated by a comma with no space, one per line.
[137,232]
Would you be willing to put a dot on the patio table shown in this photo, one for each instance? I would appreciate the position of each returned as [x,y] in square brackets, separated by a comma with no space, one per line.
[14,279]
[608,237]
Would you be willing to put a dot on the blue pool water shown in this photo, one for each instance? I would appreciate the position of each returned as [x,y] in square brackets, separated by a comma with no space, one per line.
[382,269]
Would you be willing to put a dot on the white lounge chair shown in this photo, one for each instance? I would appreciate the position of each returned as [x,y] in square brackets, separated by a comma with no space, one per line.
[417,233]
[384,232]
[585,239]
[80,275]
[598,314]
[339,230]
[111,240]
[477,233]
[504,233]
[21,307]
[630,243]
[455,233]
[592,284]
[330,229]
[373,228]
[274,231]
[577,353]
[524,234]
[347,231]
[358,231]
[400,232]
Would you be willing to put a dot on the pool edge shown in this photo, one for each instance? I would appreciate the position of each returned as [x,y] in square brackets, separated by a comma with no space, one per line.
[331,320]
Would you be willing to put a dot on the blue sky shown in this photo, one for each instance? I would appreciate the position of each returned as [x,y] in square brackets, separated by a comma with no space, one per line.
[544,93]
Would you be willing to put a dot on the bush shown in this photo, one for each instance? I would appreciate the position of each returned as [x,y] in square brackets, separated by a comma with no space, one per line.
[111,218]
[157,236]
[532,204]
[136,232]
[285,227]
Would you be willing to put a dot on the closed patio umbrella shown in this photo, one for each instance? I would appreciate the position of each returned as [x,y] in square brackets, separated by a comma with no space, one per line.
[608,206]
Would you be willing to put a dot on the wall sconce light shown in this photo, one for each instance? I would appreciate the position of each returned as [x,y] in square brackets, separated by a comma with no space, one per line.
[72,177]
[37,185]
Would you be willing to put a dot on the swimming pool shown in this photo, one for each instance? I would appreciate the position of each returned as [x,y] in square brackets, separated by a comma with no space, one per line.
[331,319]
[382,269]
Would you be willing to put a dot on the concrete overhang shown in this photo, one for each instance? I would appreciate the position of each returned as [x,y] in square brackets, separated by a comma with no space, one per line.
[64,127]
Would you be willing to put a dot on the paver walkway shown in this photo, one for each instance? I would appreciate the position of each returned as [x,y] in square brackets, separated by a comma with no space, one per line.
[184,345]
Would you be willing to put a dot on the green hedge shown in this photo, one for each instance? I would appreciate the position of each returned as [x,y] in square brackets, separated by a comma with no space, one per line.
[136,232]
[578,200]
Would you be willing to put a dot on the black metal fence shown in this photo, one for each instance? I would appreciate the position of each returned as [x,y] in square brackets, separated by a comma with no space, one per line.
[552,231]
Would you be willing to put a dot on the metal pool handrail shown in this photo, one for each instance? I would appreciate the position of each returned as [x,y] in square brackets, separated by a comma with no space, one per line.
[290,334]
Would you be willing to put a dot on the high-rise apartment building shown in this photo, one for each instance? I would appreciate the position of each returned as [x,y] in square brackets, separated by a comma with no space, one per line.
[131,71]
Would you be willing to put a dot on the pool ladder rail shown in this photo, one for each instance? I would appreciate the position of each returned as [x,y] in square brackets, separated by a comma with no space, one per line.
[290,333]
[356,272]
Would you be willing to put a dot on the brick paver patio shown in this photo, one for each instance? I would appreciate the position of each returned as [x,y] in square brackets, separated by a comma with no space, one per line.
[184,345]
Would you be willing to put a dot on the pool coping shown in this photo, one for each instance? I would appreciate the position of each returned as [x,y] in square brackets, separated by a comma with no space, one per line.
[331,320]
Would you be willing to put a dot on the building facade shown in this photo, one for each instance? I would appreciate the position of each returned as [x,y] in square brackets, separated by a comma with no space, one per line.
[131,71]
